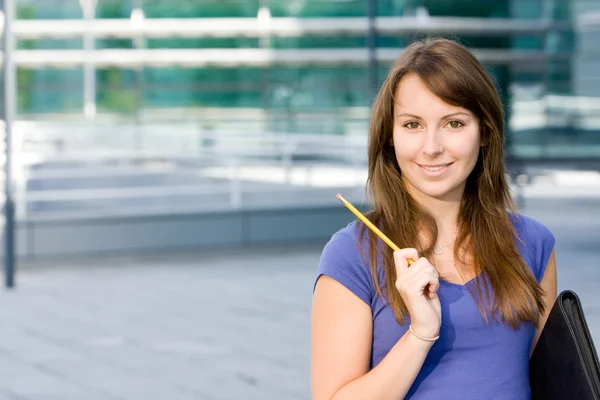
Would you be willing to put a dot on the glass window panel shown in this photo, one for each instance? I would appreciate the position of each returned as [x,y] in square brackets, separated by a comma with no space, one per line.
[202,43]
[468,8]
[49,90]
[318,42]
[318,8]
[48,9]
[200,9]
[394,7]
[527,9]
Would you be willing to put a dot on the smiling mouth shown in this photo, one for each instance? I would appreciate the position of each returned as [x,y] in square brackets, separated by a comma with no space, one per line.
[434,168]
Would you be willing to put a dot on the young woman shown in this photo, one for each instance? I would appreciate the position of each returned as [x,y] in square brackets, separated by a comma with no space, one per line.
[463,319]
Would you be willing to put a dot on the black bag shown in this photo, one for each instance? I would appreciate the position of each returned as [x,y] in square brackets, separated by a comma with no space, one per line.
[564,364]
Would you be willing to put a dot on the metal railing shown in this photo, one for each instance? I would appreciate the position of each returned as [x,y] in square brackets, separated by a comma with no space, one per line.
[90,170]
[281,26]
[81,169]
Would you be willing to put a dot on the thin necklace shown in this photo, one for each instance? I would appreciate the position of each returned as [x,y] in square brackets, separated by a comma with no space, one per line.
[441,250]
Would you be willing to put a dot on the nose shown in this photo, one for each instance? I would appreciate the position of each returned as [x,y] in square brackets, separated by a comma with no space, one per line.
[432,145]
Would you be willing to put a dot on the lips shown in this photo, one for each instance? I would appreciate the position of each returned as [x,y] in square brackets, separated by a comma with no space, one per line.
[434,167]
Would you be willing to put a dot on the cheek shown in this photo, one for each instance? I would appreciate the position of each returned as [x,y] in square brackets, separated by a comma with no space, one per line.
[405,148]
[467,147]
[468,151]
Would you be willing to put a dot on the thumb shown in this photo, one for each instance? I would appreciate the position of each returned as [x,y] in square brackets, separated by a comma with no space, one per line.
[401,258]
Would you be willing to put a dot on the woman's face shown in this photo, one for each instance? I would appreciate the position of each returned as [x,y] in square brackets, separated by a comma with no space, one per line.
[436,144]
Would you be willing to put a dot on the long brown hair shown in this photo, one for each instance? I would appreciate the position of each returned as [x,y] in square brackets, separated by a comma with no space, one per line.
[486,235]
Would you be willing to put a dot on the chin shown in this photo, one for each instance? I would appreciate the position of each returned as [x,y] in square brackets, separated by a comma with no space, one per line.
[439,190]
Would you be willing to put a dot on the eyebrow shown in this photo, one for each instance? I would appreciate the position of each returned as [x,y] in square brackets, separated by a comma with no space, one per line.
[444,117]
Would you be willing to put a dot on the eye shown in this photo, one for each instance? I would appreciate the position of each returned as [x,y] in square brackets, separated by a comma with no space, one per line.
[455,124]
[411,125]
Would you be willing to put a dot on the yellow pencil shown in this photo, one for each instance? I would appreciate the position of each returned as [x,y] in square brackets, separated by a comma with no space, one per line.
[369,224]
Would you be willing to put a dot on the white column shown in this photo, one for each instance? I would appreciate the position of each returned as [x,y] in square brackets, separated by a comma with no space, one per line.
[137,18]
[263,18]
[89,70]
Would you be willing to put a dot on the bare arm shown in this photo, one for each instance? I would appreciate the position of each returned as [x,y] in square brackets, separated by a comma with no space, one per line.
[341,343]
[549,285]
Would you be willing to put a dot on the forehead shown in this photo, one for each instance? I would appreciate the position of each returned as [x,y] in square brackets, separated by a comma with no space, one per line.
[413,96]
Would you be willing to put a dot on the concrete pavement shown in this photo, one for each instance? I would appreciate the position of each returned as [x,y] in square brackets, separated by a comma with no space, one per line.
[225,324]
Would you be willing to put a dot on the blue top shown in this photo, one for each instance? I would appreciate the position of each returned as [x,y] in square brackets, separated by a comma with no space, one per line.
[470,360]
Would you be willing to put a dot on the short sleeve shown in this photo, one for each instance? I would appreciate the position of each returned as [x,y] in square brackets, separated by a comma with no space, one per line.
[543,242]
[342,260]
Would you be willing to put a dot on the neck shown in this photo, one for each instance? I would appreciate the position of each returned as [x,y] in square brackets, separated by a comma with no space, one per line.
[446,218]
[445,212]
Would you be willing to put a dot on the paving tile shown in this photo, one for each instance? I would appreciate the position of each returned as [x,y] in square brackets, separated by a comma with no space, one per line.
[210,326]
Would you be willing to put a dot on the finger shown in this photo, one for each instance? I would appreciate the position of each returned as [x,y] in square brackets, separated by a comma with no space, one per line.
[427,282]
[421,263]
[402,256]
[434,286]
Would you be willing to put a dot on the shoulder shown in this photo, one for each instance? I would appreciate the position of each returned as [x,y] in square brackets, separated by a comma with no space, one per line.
[530,227]
[535,241]
[532,232]
[347,238]
[342,259]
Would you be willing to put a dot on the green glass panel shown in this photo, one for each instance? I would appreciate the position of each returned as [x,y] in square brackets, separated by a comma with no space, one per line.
[114,43]
[530,42]
[49,90]
[395,8]
[392,41]
[113,9]
[59,44]
[527,9]
[115,90]
[317,42]
[202,43]
[561,10]
[25,11]
[200,9]
[467,8]
[49,9]
[318,8]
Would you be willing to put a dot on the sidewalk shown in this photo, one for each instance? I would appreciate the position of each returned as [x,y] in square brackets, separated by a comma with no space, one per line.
[204,326]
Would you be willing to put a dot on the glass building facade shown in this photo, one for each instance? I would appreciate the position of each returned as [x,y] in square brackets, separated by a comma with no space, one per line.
[543,55]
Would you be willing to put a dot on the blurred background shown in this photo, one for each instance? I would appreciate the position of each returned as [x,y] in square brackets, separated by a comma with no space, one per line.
[173,164]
